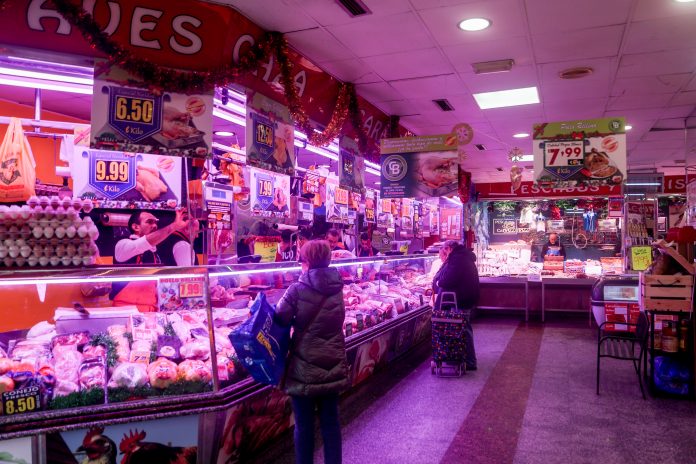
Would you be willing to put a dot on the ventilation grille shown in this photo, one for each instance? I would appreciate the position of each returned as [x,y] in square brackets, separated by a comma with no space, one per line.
[480,147]
[575,73]
[354,7]
[444,105]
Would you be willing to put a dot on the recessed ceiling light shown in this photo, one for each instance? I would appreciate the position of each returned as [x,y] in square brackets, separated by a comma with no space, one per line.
[521,135]
[628,127]
[684,1]
[474,24]
[505,98]
[224,133]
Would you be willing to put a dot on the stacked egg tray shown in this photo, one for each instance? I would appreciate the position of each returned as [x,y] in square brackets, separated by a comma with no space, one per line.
[47,231]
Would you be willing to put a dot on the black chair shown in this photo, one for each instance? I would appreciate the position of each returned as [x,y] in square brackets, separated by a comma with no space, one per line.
[629,346]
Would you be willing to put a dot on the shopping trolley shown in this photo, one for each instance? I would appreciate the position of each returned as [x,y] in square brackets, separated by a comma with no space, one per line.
[448,332]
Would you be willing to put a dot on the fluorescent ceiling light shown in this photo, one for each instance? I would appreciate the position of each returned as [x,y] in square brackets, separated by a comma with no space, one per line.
[629,127]
[46,85]
[635,194]
[46,76]
[224,133]
[525,158]
[319,151]
[456,201]
[378,183]
[372,165]
[9,282]
[236,107]
[645,184]
[227,116]
[521,135]
[505,98]
[684,1]
[374,172]
[474,24]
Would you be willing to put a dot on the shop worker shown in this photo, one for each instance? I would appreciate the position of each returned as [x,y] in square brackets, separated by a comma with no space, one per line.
[459,275]
[141,246]
[286,250]
[553,247]
[303,236]
[177,249]
[365,249]
[333,236]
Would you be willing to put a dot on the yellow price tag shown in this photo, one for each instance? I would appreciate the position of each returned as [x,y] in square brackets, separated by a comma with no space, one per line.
[641,257]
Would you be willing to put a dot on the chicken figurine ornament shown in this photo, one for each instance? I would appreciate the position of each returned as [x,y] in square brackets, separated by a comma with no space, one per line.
[516,177]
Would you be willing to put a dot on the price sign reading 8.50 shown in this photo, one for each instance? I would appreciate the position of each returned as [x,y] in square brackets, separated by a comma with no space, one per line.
[564,154]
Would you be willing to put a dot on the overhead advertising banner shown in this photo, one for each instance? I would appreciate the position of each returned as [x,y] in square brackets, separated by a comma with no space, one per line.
[336,202]
[419,167]
[351,165]
[125,180]
[130,119]
[589,152]
[270,133]
[269,193]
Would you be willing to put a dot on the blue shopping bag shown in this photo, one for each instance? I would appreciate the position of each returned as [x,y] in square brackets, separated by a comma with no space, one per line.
[262,344]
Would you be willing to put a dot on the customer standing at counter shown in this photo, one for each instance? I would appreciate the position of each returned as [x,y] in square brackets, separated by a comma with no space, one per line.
[458,274]
[553,247]
[317,368]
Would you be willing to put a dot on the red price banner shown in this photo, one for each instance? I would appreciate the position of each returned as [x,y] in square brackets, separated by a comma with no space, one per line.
[191,289]
[564,154]
[341,196]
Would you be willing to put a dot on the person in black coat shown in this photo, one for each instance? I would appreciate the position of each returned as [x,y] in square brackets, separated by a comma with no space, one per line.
[459,275]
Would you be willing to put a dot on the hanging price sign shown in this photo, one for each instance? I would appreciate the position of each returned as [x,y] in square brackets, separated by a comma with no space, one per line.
[341,196]
[564,159]
[112,173]
[311,183]
[175,294]
[21,401]
[134,113]
[264,136]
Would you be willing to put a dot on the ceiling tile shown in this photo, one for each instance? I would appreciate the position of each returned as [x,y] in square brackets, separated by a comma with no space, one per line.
[518,77]
[383,35]
[352,70]
[285,17]
[419,63]
[431,87]
[629,102]
[560,16]
[330,13]
[682,111]
[505,16]
[595,43]
[525,111]
[568,107]
[515,48]
[428,4]
[650,9]
[317,45]
[645,85]
[379,92]
[685,98]
[635,114]
[656,64]
[660,34]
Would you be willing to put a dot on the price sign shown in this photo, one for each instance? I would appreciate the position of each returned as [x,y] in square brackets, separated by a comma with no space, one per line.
[191,289]
[564,159]
[641,257]
[135,113]
[263,142]
[504,227]
[176,294]
[21,401]
[370,214]
[264,134]
[311,183]
[341,196]
[111,173]
[265,188]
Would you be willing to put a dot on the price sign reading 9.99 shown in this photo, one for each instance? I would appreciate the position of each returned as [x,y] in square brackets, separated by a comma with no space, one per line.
[111,173]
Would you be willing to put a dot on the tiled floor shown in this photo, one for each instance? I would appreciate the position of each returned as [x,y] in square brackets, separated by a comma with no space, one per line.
[532,400]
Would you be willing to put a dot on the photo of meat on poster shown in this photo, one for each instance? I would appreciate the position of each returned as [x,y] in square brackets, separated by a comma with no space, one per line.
[133,119]
[419,167]
[270,135]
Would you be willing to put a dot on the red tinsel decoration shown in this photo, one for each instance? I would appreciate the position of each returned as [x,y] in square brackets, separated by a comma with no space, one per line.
[157,78]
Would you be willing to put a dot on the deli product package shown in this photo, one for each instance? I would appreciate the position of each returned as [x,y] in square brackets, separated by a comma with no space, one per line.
[261,344]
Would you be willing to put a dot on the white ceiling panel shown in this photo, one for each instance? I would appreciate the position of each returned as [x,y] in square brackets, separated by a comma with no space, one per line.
[429,4]
[515,48]
[328,12]
[383,35]
[561,16]
[418,63]
[317,45]
[685,98]
[630,102]
[655,35]
[535,111]
[645,85]
[589,43]
[284,17]
[518,77]
[657,64]
[431,87]
[570,110]
[505,16]
[647,10]
[683,111]
[379,92]
[353,70]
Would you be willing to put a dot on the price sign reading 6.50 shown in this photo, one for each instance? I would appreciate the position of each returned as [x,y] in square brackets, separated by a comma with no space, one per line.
[134,113]
[134,109]
[564,154]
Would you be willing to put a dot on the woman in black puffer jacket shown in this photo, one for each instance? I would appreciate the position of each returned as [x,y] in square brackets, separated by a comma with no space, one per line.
[317,368]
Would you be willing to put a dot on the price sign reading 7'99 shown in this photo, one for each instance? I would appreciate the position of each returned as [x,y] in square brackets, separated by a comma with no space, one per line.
[564,159]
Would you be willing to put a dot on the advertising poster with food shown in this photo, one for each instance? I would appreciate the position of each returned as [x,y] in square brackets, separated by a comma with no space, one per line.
[269,193]
[121,180]
[385,218]
[164,440]
[270,135]
[577,153]
[132,119]
[434,209]
[419,167]
[336,202]
[370,206]
[406,218]
[351,165]
[17,450]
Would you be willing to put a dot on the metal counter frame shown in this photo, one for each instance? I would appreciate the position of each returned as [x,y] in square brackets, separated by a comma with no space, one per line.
[512,281]
[564,282]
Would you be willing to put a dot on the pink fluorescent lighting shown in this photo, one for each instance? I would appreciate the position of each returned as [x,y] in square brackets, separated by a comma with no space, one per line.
[9,282]
[227,116]
[46,76]
[46,85]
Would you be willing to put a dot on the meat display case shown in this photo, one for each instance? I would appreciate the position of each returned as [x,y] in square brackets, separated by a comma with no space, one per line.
[78,362]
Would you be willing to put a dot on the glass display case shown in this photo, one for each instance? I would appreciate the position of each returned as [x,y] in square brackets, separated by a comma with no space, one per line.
[101,337]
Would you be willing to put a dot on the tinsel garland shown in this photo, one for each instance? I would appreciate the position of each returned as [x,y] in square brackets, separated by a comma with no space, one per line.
[156,78]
